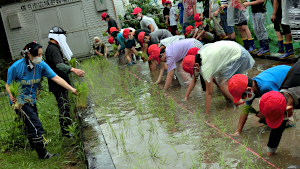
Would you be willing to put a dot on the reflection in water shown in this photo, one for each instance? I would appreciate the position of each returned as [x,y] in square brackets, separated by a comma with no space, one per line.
[143,129]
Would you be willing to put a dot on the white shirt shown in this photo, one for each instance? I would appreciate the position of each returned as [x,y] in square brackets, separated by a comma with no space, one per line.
[146,21]
[216,56]
[172,17]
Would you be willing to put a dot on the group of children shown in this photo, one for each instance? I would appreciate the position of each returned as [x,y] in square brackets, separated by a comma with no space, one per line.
[221,60]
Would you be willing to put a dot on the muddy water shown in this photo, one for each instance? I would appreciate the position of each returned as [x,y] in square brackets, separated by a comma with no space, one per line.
[142,134]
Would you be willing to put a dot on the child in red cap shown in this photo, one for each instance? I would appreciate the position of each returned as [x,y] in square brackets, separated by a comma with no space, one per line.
[110,21]
[153,38]
[221,59]
[278,106]
[145,22]
[173,55]
[243,88]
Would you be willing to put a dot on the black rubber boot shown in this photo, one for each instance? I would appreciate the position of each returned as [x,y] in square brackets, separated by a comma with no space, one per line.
[31,143]
[40,148]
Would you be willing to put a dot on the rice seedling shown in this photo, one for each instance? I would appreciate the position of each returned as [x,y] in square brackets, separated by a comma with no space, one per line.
[258,144]
[83,91]
[16,90]
[104,34]
[154,150]
[73,62]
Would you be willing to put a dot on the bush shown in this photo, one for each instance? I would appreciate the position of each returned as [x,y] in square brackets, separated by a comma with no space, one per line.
[147,10]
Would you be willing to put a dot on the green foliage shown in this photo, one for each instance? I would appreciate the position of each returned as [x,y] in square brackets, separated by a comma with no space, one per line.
[2,85]
[73,62]
[147,10]
[104,34]
[83,91]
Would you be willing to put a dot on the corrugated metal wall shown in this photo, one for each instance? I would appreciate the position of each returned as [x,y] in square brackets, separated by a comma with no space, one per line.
[18,38]
[94,19]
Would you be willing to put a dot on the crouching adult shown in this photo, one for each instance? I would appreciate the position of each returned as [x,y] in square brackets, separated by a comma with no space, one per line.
[29,72]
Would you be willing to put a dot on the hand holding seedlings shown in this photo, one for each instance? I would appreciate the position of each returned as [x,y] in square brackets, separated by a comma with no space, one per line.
[74,91]
[12,99]
[77,72]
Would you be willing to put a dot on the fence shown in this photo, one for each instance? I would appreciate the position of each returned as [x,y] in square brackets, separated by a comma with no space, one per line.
[7,115]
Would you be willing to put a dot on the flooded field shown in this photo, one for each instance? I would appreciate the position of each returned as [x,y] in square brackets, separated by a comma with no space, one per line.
[145,129]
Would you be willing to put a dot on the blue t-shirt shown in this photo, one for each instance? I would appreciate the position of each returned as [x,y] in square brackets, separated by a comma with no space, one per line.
[181,8]
[121,40]
[270,80]
[19,72]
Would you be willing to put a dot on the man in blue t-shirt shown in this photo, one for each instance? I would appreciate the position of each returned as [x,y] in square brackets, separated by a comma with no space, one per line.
[181,9]
[246,89]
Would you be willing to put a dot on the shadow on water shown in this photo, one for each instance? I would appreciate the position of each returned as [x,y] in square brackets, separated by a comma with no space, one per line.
[144,129]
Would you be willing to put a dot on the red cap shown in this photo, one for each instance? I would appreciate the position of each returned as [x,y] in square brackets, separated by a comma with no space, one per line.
[167,2]
[154,52]
[193,51]
[272,105]
[188,64]
[141,37]
[125,33]
[104,14]
[197,24]
[188,29]
[237,85]
[163,1]
[113,29]
[136,10]
[197,17]
[111,40]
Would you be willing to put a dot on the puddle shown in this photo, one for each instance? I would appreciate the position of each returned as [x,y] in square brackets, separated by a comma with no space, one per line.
[144,129]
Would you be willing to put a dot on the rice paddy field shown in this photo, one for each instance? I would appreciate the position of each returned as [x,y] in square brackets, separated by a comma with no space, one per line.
[147,127]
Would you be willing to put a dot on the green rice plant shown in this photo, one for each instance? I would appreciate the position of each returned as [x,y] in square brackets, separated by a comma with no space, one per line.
[153,150]
[16,90]
[83,91]
[104,34]
[259,149]
[73,62]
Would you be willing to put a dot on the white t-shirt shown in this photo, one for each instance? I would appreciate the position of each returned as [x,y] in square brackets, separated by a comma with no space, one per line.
[172,17]
[146,21]
[215,56]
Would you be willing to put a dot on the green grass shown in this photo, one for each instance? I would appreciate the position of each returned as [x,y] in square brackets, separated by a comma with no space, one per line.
[70,149]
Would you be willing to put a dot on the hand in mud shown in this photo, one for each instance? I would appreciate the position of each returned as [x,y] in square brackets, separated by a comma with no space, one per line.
[116,54]
[236,134]
[155,83]
[185,98]
[12,99]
